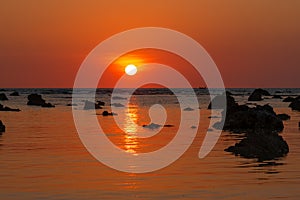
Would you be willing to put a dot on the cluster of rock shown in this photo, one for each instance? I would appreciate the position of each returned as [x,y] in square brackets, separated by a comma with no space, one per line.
[37,100]
[260,125]
[2,127]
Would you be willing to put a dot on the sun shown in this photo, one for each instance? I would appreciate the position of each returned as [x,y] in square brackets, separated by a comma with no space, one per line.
[130,69]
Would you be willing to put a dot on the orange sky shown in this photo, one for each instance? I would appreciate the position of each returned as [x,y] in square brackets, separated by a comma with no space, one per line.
[254,43]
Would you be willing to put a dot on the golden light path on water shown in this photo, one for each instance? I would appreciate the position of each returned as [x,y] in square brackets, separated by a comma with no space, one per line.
[130,127]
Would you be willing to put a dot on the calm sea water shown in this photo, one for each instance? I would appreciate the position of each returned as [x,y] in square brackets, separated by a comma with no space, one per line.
[42,157]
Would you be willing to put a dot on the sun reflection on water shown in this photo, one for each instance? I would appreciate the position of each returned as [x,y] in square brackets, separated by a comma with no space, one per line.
[130,127]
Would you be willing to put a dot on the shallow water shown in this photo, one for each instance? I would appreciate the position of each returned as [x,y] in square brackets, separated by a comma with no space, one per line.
[42,157]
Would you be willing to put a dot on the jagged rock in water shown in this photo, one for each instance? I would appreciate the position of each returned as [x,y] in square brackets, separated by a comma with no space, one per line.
[37,100]
[263,145]
[257,95]
[3,97]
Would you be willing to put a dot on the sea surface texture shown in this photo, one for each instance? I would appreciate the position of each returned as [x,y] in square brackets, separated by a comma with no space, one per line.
[42,157]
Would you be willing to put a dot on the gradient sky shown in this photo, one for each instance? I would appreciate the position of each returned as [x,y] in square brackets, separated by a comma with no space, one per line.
[254,43]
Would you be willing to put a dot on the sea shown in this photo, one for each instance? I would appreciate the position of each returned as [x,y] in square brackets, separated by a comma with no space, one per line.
[43,157]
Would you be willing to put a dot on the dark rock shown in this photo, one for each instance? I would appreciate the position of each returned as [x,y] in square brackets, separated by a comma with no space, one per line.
[188,109]
[252,120]
[100,103]
[218,102]
[277,97]
[284,116]
[35,100]
[257,95]
[168,125]
[5,108]
[288,99]
[15,94]
[72,104]
[262,92]
[3,97]
[2,127]
[48,105]
[295,105]
[261,145]
[152,126]
[91,105]
[106,113]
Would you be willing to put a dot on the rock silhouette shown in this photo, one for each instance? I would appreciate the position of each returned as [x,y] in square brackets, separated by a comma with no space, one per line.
[295,105]
[37,100]
[88,105]
[257,95]
[2,127]
[288,99]
[261,126]
[3,97]
[15,94]
[5,108]
[218,101]
[277,97]
[106,113]
[261,145]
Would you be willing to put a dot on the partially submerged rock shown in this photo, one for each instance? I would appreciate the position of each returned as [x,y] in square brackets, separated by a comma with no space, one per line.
[243,119]
[257,95]
[152,126]
[3,97]
[2,127]
[288,99]
[106,113]
[37,100]
[295,105]
[219,103]
[277,97]
[5,108]
[15,94]
[188,109]
[72,104]
[261,145]
[88,105]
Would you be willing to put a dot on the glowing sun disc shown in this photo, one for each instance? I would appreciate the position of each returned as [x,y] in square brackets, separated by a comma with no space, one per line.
[130,70]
